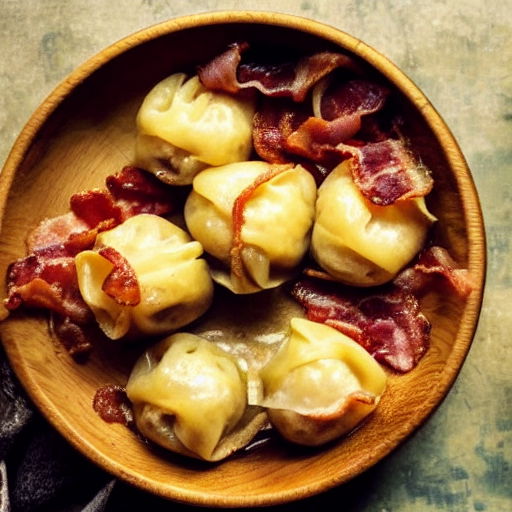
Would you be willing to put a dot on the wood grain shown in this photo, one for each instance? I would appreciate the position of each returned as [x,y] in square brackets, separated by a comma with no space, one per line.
[85,131]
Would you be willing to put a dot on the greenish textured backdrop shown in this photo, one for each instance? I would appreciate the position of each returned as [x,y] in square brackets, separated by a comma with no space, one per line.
[460,54]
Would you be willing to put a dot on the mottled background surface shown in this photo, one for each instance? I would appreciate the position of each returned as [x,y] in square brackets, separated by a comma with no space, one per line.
[460,55]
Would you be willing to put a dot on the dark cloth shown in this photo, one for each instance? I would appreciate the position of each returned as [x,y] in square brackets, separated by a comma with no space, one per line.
[41,472]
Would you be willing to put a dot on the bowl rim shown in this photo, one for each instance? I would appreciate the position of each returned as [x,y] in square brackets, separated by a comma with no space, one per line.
[471,205]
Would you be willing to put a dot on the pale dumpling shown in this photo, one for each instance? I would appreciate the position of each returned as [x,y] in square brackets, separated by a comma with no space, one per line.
[190,396]
[174,282]
[320,384]
[362,244]
[183,128]
[255,219]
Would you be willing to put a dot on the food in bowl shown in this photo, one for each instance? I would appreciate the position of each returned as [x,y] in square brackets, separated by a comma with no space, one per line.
[320,385]
[144,277]
[387,322]
[184,127]
[254,219]
[190,396]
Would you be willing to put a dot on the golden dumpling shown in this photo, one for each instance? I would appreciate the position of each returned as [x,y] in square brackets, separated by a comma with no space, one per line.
[190,396]
[360,243]
[254,218]
[320,384]
[175,284]
[184,128]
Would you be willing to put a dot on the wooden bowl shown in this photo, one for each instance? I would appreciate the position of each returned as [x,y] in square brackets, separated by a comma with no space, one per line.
[84,131]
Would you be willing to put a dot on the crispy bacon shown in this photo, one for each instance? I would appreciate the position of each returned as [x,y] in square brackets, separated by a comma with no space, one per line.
[350,97]
[316,139]
[389,325]
[95,206]
[338,118]
[121,284]
[387,171]
[291,79]
[136,191]
[47,279]
[78,242]
[434,265]
[273,123]
[238,212]
[55,231]
[384,170]
[130,192]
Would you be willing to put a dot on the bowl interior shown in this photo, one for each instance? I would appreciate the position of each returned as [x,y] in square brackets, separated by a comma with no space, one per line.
[84,132]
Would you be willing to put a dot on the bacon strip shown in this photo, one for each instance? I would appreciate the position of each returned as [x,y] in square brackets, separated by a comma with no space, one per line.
[390,326]
[338,117]
[136,191]
[121,284]
[386,171]
[130,192]
[291,79]
[95,206]
[435,264]
[273,123]
[46,278]
[317,138]
[238,214]
[55,231]
[349,97]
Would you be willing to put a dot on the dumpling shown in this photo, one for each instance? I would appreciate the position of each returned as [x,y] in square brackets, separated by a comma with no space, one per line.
[362,244]
[174,283]
[255,219]
[184,128]
[190,396]
[320,384]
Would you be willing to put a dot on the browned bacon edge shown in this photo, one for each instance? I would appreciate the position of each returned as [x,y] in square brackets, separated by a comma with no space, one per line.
[435,268]
[46,278]
[121,284]
[291,79]
[389,325]
[286,131]
[238,214]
